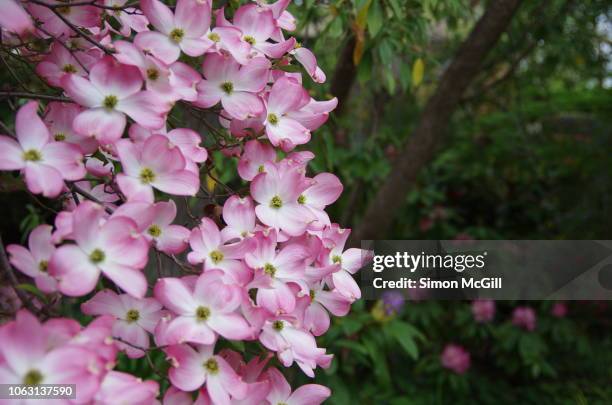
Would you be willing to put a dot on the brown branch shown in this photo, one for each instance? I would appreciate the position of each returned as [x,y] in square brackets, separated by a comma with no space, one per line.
[5,94]
[344,75]
[6,268]
[93,3]
[74,28]
[422,144]
[78,190]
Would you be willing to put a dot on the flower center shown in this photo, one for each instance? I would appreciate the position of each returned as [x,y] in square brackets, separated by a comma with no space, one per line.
[64,10]
[312,295]
[278,325]
[269,269]
[59,137]
[336,259]
[69,68]
[211,366]
[132,315]
[97,256]
[147,176]
[154,231]
[273,119]
[33,377]
[261,169]
[213,36]
[32,156]
[152,74]
[249,39]
[202,314]
[43,265]
[110,102]
[276,202]
[301,199]
[177,35]
[227,87]
[216,256]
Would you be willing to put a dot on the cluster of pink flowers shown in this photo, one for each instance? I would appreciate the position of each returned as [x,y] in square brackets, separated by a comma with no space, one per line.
[524,317]
[275,267]
[455,358]
[483,310]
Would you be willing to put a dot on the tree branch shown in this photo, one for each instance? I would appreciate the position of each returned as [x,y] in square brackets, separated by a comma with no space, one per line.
[420,148]
[6,267]
[344,75]
[4,94]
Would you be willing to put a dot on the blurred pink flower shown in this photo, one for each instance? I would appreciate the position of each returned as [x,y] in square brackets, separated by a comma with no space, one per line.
[524,317]
[455,358]
[483,310]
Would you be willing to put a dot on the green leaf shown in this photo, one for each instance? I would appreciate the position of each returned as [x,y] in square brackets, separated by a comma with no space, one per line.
[290,68]
[237,345]
[405,335]
[32,290]
[396,8]
[350,326]
[362,15]
[353,345]
[375,18]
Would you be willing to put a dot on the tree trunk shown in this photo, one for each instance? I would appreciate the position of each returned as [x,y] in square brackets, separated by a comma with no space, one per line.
[344,75]
[427,136]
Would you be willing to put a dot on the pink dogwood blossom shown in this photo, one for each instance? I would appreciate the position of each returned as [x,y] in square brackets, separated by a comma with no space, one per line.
[129,17]
[293,344]
[35,261]
[191,368]
[257,26]
[208,248]
[205,309]
[234,86]
[189,266]
[254,159]
[118,387]
[239,215]
[27,358]
[15,19]
[316,306]
[112,91]
[280,392]
[134,318]
[157,164]
[111,247]
[277,269]
[86,16]
[286,96]
[277,191]
[182,31]
[59,118]
[61,61]
[46,164]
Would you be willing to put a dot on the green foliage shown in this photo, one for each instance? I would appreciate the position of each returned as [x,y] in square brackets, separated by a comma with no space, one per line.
[526,157]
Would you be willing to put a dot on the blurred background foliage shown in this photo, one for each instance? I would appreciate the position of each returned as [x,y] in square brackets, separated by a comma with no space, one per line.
[527,157]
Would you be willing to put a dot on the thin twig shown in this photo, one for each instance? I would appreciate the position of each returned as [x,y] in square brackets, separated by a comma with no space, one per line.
[8,269]
[34,96]
[80,33]
[76,189]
